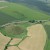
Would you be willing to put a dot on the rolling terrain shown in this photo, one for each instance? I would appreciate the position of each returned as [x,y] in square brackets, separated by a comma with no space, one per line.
[16,11]
[19,12]
[40,4]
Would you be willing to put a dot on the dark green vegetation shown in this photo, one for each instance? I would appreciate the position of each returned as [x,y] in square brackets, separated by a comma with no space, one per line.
[6,47]
[5,18]
[14,29]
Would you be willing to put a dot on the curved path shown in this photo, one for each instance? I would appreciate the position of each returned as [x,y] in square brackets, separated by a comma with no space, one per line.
[37,38]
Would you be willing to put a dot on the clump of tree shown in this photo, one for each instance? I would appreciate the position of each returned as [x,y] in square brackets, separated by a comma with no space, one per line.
[32,21]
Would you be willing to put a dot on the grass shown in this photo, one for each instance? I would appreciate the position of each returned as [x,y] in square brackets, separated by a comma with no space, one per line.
[47,28]
[47,46]
[13,31]
[12,35]
[48,4]
[5,18]
[20,12]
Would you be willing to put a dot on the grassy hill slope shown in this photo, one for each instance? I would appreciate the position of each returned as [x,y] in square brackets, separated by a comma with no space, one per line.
[19,12]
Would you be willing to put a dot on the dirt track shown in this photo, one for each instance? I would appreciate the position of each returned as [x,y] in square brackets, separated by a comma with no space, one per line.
[37,38]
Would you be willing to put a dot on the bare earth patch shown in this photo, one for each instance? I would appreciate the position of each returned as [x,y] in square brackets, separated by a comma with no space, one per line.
[37,38]
[15,41]
[3,41]
[13,48]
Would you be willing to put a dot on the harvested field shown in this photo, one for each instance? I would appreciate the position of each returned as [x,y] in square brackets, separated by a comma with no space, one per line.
[3,41]
[13,48]
[37,38]
[15,41]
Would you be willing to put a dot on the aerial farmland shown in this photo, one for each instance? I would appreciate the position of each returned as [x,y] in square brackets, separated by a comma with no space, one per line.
[24,25]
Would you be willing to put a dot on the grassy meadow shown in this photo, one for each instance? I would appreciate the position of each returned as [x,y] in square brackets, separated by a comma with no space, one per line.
[47,28]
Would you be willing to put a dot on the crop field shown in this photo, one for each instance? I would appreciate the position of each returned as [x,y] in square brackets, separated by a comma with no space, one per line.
[3,41]
[13,48]
[36,40]
[15,20]
[15,41]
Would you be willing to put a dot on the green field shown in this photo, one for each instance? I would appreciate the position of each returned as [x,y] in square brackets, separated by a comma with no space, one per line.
[19,12]
[16,12]
[47,28]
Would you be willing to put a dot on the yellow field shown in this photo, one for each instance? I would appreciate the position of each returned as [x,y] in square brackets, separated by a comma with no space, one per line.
[37,38]
[35,41]
[15,41]
[3,41]
[13,48]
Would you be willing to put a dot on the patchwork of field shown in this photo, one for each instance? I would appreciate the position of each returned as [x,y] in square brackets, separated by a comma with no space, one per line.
[15,41]
[37,39]
[37,33]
